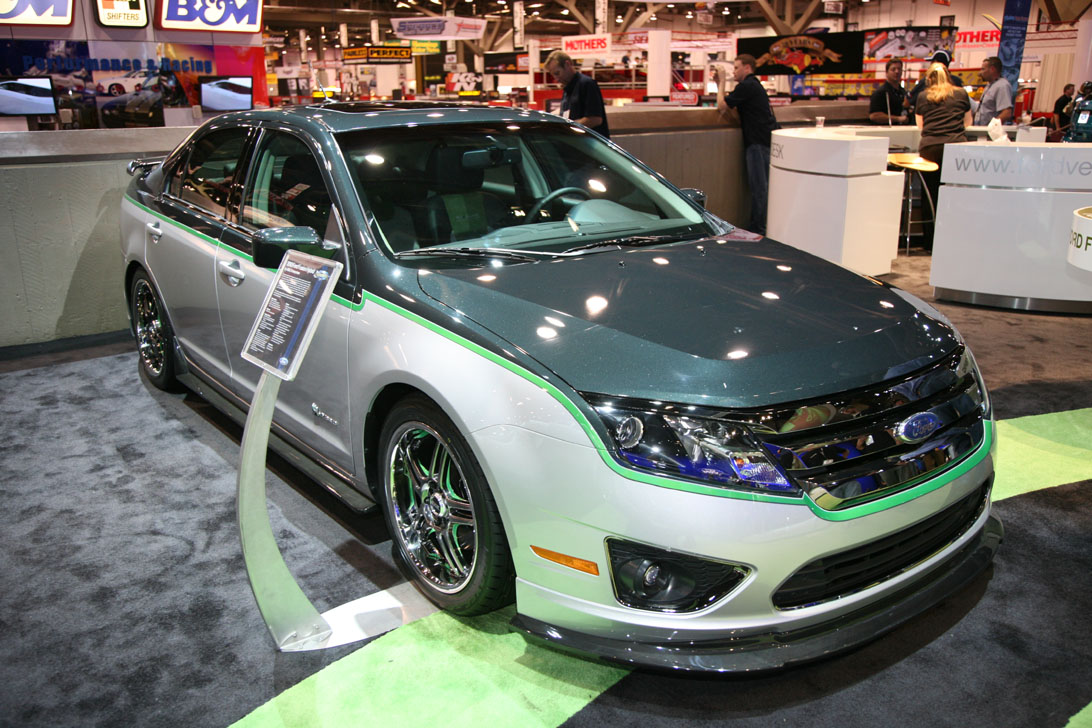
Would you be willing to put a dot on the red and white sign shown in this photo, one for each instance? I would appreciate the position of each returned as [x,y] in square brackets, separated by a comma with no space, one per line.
[587,46]
[685,98]
[978,39]
[445,28]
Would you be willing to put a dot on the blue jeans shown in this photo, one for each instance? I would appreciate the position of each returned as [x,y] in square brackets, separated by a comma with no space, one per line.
[758,176]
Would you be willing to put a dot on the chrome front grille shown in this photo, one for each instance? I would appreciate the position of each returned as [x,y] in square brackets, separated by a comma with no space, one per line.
[869,443]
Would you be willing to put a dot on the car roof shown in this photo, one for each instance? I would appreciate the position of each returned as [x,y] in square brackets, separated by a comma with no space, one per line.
[339,116]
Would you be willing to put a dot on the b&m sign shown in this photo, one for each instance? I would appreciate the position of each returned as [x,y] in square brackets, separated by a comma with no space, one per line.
[36,12]
[218,16]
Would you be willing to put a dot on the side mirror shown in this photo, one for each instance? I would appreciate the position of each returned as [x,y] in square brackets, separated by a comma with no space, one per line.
[695,194]
[271,244]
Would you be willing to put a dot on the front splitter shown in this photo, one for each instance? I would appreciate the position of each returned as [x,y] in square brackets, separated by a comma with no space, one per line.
[776,650]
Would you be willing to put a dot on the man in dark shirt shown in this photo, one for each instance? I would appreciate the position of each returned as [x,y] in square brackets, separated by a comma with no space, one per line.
[581,100]
[1061,119]
[938,57]
[886,105]
[757,121]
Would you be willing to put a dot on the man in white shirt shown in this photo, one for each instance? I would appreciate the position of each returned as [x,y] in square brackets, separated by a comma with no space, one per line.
[997,99]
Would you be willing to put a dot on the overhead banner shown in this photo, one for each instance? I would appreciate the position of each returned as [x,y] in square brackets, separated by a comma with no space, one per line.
[519,24]
[378,54]
[36,12]
[446,28]
[215,16]
[507,62]
[121,13]
[979,39]
[912,43]
[1014,30]
[586,46]
[802,54]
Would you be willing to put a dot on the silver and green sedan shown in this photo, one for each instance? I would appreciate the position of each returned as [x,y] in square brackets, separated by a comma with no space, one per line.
[670,441]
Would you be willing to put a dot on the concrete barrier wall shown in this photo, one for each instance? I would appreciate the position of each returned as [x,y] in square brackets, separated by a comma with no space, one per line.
[61,275]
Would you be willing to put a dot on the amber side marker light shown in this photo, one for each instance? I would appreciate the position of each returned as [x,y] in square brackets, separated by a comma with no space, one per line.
[588,567]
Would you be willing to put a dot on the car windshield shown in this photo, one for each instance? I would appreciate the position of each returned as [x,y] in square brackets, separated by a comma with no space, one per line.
[537,187]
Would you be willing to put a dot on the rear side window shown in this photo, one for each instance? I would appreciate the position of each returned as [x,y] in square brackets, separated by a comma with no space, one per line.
[207,175]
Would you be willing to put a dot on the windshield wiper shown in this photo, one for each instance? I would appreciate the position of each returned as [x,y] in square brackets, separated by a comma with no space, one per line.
[478,253]
[636,241]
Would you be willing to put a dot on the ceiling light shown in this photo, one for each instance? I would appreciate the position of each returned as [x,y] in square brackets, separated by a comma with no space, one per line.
[565,11]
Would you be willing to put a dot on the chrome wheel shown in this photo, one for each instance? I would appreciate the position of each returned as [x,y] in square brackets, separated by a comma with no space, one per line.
[151,341]
[432,507]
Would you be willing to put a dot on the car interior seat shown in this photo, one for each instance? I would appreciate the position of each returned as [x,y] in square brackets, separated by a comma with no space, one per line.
[394,198]
[458,209]
[303,193]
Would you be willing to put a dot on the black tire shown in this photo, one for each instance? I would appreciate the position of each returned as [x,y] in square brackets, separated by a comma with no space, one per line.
[154,336]
[116,89]
[440,512]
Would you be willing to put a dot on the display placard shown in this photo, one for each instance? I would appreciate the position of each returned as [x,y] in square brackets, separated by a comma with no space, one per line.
[291,313]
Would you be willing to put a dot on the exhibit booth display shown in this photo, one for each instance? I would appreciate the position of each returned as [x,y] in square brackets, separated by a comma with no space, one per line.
[831,195]
[1004,222]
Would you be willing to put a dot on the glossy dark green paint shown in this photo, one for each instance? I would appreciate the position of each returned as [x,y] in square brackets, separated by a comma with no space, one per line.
[672,322]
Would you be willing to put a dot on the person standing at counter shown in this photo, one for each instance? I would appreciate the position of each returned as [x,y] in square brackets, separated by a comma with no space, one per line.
[888,102]
[757,121]
[941,57]
[581,100]
[943,113]
[1061,119]
[997,98]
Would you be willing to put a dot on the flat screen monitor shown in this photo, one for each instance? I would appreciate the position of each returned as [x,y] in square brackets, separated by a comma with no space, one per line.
[29,96]
[226,93]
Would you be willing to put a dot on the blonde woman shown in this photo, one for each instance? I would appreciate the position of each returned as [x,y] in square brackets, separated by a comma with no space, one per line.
[943,113]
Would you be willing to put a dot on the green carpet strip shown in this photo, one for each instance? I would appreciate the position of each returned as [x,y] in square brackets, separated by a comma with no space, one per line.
[442,670]
[1041,451]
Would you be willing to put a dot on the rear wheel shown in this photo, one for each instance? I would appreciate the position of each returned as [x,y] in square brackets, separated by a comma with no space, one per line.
[116,89]
[155,339]
[444,523]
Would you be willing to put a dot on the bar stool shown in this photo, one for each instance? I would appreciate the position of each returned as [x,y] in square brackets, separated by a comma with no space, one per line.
[913,162]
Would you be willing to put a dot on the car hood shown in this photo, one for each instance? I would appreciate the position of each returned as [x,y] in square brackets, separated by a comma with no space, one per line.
[716,322]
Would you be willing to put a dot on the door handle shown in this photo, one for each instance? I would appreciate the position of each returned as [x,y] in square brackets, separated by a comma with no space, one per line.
[232,271]
[154,231]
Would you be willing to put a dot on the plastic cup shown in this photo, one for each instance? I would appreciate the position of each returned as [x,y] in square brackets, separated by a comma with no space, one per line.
[819,121]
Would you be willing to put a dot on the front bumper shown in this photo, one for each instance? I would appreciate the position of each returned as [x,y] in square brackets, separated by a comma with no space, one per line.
[774,650]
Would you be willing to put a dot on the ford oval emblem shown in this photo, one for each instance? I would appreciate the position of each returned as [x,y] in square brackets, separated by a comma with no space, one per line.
[917,427]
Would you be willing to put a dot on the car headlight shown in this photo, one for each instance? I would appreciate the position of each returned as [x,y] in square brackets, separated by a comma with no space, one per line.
[676,443]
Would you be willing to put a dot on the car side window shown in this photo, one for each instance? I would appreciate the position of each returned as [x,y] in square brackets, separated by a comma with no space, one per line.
[286,187]
[207,175]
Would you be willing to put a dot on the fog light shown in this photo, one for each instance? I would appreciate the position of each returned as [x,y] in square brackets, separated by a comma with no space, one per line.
[649,578]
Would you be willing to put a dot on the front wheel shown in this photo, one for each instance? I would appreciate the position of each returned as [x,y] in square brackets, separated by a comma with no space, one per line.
[445,526]
[154,336]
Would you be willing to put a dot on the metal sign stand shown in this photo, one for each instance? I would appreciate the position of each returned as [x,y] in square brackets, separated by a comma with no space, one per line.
[292,620]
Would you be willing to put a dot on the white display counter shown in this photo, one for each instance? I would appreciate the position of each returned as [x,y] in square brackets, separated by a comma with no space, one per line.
[1018,133]
[905,135]
[831,195]
[1004,226]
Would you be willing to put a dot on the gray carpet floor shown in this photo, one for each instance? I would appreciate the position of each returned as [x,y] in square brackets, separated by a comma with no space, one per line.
[123,598]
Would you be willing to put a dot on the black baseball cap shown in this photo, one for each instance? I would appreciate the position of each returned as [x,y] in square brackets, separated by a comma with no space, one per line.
[941,57]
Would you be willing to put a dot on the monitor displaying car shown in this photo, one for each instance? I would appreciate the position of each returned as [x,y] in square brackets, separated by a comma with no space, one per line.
[30,96]
[226,93]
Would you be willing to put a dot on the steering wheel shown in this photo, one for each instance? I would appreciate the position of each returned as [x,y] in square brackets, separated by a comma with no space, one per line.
[540,204]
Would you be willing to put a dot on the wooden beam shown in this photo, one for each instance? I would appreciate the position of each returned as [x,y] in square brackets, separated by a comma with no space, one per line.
[780,26]
[1051,11]
[588,26]
[641,19]
[806,19]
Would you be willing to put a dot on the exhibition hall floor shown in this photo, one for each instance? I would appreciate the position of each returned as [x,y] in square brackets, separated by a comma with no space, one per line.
[124,600]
